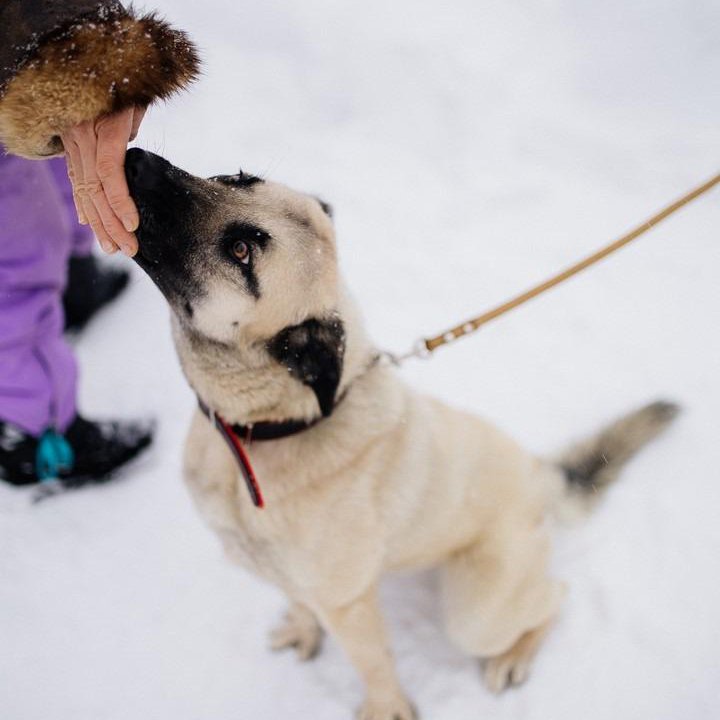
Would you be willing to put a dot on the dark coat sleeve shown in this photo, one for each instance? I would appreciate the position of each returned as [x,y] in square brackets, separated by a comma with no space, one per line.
[66,61]
[24,24]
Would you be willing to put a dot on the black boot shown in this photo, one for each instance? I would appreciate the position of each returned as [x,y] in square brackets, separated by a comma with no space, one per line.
[90,287]
[17,455]
[98,449]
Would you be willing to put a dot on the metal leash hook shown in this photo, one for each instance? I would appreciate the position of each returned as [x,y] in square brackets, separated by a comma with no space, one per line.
[423,348]
[419,351]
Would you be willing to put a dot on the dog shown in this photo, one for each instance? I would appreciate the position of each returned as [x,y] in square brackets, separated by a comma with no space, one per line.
[359,474]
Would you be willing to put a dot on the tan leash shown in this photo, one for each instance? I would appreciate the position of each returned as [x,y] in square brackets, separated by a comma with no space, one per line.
[426,346]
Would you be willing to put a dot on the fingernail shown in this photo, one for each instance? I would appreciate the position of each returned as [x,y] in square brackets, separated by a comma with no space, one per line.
[130,223]
[127,250]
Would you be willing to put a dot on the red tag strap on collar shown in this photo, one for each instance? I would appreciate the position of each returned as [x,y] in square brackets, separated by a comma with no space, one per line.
[236,447]
[234,435]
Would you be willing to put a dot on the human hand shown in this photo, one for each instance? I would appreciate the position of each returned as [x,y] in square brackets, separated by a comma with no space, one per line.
[95,155]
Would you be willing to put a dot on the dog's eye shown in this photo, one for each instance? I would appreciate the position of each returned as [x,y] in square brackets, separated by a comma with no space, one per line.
[241,251]
[241,242]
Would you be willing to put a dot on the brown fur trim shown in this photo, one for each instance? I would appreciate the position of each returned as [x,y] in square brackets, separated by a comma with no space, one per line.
[94,67]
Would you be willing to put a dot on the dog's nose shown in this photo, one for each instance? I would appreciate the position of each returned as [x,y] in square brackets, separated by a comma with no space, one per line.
[143,170]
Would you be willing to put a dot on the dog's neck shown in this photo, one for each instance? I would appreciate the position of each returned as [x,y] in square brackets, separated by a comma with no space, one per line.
[250,381]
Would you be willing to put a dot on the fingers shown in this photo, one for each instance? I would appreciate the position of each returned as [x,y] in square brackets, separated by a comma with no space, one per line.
[81,189]
[95,155]
[113,135]
[105,224]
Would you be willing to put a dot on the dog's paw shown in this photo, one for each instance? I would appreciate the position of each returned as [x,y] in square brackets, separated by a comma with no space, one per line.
[513,666]
[398,708]
[300,631]
[505,671]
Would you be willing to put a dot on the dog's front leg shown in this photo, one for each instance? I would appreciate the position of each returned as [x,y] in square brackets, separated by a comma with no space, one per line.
[358,627]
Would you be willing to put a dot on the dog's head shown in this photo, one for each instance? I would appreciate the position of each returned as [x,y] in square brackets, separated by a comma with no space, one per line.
[242,260]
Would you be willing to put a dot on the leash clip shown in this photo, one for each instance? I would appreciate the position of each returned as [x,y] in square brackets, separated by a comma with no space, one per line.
[419,351]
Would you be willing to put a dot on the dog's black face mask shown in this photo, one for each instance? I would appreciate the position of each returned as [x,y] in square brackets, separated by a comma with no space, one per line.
[243,260]
[167,202]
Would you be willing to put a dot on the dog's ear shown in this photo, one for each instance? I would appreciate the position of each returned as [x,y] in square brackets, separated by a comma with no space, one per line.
[313,353]
[241,180]
[327,207]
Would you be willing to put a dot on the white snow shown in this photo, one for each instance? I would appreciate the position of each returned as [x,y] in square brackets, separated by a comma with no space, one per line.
[469,150]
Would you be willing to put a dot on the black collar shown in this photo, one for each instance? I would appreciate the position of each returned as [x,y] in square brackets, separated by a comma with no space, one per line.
[237,436]
[278,430]
[261,430]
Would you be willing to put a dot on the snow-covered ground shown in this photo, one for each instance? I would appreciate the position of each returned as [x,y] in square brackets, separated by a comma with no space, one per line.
[469,149]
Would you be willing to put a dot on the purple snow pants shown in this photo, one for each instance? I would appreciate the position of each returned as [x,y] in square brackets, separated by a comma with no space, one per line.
[38,234]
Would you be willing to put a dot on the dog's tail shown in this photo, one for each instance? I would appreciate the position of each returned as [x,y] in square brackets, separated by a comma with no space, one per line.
[592,465]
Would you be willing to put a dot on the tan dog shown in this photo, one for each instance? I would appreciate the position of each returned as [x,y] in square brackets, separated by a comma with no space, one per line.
[373,477]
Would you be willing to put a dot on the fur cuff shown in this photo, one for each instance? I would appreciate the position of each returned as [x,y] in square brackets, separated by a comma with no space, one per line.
[93,67]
